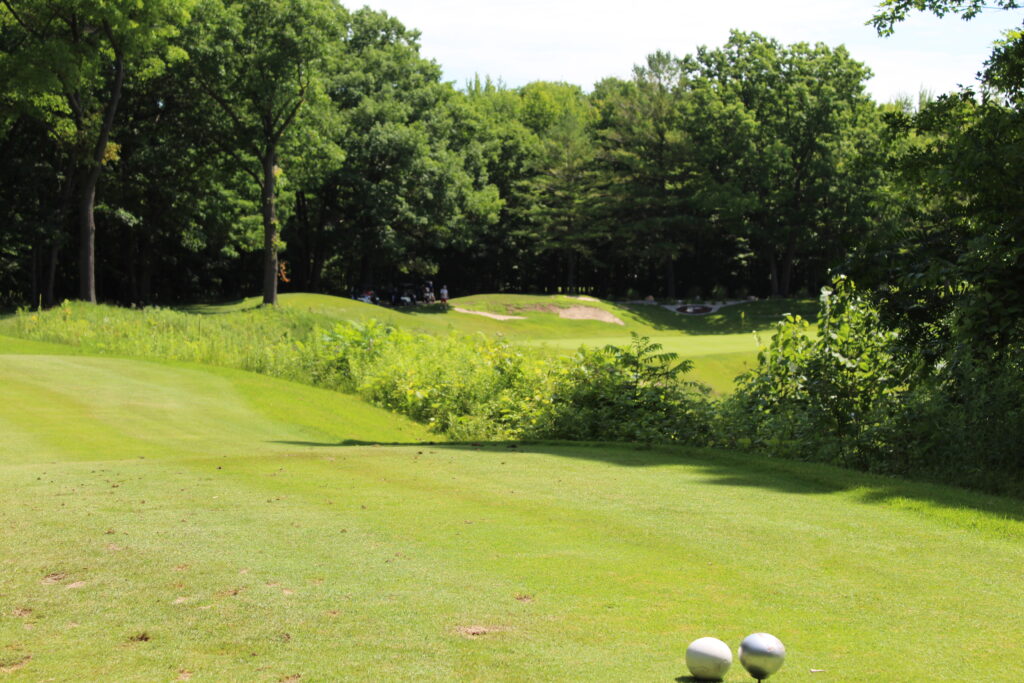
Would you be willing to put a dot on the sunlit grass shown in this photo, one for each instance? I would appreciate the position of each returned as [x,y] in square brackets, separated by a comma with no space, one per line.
[165,521]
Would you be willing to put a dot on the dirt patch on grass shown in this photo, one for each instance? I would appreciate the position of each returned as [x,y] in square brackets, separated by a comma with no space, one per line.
[53,578]
[492,316]
[477,631]
[11,665]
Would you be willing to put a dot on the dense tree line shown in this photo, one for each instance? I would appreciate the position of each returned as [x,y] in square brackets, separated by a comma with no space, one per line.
[169,151]
[176,150]
[917,364]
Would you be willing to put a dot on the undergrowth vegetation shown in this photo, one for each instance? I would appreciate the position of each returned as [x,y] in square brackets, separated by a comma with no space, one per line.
[463,386]
[848,394]
[855,396]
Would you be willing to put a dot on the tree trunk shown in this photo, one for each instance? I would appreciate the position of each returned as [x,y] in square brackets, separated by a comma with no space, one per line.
[51,275]
[570,275]
[366,275]
[300,246]
[316,266]
[773,266]
[786,274]
[91,177]
[318,256]
[670,278]
[146,274]
[87,236]
[132,267]
[35,276]
[270,237]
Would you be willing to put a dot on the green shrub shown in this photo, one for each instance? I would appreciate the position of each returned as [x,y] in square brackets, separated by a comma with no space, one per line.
[633,393]
[965,425]
[852,396]
[828,396]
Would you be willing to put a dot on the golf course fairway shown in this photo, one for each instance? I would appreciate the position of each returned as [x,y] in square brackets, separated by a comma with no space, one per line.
[167,522]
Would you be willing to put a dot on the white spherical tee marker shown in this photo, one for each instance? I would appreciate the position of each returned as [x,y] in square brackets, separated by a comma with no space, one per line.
[762,654]
[708,659]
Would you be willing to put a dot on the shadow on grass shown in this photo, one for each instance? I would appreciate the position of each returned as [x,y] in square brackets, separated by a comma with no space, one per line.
[756,316]
[218,307]
[423,309]
[738,469]
[352,442]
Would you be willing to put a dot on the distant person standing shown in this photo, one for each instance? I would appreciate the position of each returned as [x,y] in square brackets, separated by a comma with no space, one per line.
[444,294]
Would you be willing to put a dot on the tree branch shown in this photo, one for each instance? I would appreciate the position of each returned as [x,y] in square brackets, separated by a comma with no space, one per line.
[226,108]
[21,22]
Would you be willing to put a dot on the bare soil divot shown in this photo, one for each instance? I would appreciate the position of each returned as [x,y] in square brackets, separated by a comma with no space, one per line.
[12,665]
[476,631]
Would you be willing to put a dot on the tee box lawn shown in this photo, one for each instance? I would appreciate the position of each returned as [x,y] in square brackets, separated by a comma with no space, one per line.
[177,522]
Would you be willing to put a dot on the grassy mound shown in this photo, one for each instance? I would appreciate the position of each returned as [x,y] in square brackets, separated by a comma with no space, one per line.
[165,521]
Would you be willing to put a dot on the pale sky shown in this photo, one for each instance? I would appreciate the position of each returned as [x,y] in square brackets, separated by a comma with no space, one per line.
[583,41]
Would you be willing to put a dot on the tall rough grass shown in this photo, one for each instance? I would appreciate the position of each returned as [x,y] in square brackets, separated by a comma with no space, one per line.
[273,342]
[464,386]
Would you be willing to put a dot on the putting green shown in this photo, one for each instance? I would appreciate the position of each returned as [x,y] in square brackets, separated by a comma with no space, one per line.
[717,359]
[167,522]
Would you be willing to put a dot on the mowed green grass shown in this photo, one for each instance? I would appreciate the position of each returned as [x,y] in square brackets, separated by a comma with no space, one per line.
[167,522]
[722,345]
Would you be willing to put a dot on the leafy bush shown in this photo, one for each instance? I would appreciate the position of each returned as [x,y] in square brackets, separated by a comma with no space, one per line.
[473,387]
[827,396]
[851,396]
[965,423]
[633,393]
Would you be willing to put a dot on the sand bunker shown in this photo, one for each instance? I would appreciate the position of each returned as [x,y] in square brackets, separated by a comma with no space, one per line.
[577,313]
[588,313]
[493,316]
[570,313]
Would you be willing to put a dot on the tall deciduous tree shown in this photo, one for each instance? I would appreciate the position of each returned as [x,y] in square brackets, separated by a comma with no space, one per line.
[892,12]
[508,151]
[261,65]
[84,52]
[408,184]
[795,111]
[643,158]
[956,265]
[555,199]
